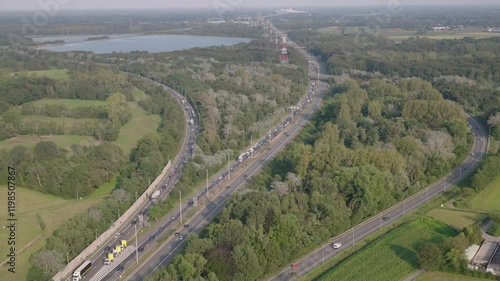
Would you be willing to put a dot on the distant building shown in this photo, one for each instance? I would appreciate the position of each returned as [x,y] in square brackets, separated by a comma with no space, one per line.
[494,29]
[440,28]
[216,21]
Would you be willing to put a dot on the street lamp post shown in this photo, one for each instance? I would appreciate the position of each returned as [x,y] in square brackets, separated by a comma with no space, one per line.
[96,234]
[136,252]
[353,235]
[118,214]
[207,180]
[180,205]
[228,168]
[67,258]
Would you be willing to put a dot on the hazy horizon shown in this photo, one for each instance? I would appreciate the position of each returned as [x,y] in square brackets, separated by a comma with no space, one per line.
[216,4]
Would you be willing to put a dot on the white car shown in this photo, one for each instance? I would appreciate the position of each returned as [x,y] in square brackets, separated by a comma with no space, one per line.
[337,245]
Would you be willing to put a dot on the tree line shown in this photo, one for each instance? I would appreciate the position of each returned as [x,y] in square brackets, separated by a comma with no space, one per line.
[367,148]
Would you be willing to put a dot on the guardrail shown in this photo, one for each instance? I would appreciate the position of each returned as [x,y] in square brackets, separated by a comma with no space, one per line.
[73,264]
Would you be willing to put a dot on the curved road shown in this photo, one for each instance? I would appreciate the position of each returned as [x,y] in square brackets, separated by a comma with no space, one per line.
[127,231]
[223,186]
[359,232]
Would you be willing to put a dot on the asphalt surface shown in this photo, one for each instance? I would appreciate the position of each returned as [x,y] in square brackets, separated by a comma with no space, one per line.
[359,232]
[221,188]
[127,232]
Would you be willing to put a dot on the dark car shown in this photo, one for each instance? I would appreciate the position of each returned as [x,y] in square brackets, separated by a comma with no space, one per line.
[386,218]
[162,228]
[140,249]
[120,267]
[152,237]
[107,249]
[186,225]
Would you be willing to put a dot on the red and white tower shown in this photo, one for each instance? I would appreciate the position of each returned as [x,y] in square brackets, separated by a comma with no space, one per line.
[284,53]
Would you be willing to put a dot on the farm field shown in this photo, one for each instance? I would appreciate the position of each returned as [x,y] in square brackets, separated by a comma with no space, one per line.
[456,219]
[405,34]
[441,276]
[50,73]
[52,210]
[393,256]
[489,198]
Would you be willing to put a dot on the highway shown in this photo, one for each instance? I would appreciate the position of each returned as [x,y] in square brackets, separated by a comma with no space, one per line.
[127,232]
[212,199]
[222,187]
[359,232]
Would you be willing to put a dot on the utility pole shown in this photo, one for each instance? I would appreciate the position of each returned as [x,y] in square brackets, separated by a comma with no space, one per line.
[180,205]
[136,253]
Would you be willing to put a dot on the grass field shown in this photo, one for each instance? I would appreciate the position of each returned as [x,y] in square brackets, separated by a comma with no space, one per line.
[50,73]
[69,103]
[489,199]
[30,141]
[53,211]
[441,276]
[456,219]
[393,256]
[140,125]
[138,94]
[65,122]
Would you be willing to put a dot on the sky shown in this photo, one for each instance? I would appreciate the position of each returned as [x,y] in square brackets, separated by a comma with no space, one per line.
[158,4]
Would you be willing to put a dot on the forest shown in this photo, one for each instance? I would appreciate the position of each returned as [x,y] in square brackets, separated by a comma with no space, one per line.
[371,144]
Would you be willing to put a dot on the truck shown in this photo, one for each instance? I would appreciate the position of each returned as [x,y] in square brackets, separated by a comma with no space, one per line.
[243,156]
[155,196]
[109,259]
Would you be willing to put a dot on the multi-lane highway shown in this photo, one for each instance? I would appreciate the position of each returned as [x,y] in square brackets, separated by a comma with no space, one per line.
[127,232]
[359,232]
[218,189]
[265,150]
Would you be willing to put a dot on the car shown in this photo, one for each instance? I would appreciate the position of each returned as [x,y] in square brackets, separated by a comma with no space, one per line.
[386,218]
[152,237]
[173,217]
[107,249]
[120,267]
[161,228]
[472,153]
[177,233]
[245,176]
[181,237]
[220,177]
[140,249]
[186,225]
[337,245]
[228,187]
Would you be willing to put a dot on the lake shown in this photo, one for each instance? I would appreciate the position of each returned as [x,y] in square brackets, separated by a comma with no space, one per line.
[125,44]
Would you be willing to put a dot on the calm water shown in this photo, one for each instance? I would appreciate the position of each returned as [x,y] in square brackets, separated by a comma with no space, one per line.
[150,43]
